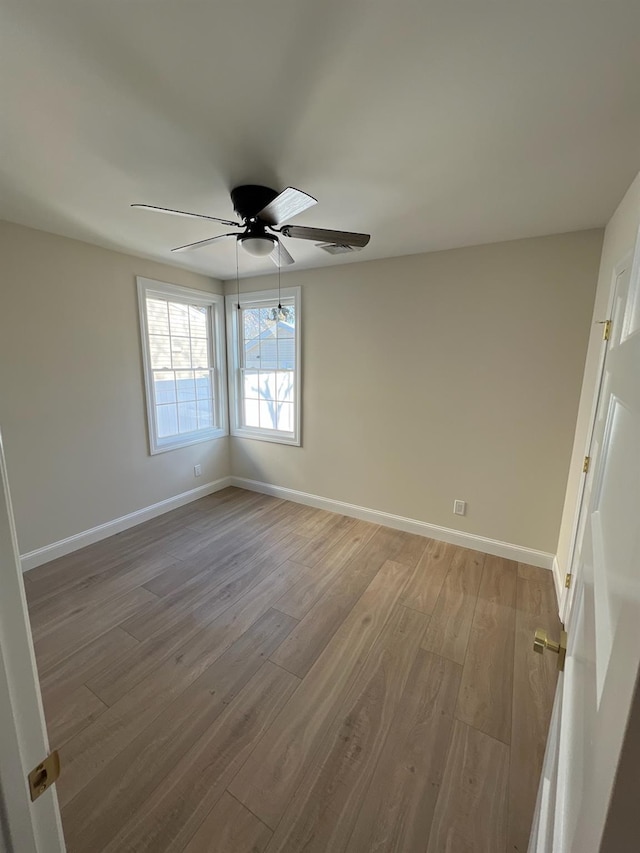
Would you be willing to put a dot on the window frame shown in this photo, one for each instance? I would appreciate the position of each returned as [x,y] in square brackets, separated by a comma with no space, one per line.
[261,299]
[214,302]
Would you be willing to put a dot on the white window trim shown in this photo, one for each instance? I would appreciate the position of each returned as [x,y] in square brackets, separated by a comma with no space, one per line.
[214,301]
[270,298]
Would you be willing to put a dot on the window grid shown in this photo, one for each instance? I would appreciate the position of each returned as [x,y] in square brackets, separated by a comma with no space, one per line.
[267,395]
[183,402]
[184,364]
[264,362]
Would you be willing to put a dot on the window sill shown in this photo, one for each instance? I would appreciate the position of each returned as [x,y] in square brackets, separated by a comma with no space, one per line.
[211,435]
[272,436]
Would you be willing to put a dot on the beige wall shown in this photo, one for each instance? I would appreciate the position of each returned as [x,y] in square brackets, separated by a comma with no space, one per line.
[426,378]
[619,239]
[72,406]
[439,376]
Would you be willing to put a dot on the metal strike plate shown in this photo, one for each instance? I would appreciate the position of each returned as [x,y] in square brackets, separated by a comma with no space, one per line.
[44,775]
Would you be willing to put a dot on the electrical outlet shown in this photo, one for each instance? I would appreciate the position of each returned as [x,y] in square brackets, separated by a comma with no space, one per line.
[459,507]
[197,470]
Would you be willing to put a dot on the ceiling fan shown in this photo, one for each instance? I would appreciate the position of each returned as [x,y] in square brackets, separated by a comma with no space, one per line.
[262,210]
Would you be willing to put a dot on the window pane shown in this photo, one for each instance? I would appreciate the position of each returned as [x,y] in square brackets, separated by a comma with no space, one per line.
[167,420]
[267,415]
[179,318]
[285,417]
[268,351]
[198,320]
[199,352]
[284,387]
[265,320]
[187,417]
[252,354]
[186,386]
[250,323]
[164,386]
[205,414]
[160,349]
[251,385]
[286,346]
[180,352]
[251,413]
[157,317]
[203,384]
[267,385]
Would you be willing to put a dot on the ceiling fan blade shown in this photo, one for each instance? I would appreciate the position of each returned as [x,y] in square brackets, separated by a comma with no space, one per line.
[280,256]
[184,213]
[324,235]
[200,243]
[288,204]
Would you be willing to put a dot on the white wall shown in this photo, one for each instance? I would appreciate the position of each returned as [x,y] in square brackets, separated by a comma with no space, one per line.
[619,238]
[439,376]
[72,406]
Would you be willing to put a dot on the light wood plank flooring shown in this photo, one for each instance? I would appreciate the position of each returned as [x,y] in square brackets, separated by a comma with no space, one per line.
[249,675]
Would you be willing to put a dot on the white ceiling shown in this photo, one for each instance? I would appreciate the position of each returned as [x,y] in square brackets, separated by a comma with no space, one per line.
[428,124]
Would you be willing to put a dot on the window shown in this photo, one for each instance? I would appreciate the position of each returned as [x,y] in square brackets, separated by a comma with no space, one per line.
[184,369]
[264,358]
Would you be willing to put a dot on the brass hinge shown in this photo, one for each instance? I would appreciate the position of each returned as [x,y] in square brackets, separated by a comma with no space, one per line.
[606,332]
[567,580]
[44,775]
[585,464]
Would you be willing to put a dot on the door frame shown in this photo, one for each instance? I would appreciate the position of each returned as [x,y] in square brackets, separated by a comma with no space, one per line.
[25,827]
[566,594]
[621,813]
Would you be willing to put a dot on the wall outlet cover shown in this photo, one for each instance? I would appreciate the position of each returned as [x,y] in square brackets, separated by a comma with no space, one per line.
[459,507]
[197,470]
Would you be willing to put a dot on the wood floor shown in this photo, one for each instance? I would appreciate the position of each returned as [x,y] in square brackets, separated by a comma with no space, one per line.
[249,675]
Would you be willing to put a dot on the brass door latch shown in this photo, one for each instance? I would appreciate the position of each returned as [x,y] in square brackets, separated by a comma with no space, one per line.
[541,642]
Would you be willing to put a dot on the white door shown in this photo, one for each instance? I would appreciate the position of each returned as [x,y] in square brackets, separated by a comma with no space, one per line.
[596,689]
[25,827]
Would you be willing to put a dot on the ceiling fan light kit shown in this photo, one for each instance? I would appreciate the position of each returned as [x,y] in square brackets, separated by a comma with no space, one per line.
[261,208]
[258,245]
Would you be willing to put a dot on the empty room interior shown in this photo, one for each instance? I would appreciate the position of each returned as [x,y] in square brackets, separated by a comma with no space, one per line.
[320,427]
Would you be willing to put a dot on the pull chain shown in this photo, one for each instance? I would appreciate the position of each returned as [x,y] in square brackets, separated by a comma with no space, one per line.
[237,276]
[279,313]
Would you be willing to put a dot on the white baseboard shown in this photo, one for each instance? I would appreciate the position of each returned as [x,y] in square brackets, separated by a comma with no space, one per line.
[410,525]
[399,522]
[102,531]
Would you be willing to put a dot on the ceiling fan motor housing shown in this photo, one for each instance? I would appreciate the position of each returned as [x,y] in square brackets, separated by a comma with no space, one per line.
[249,199]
